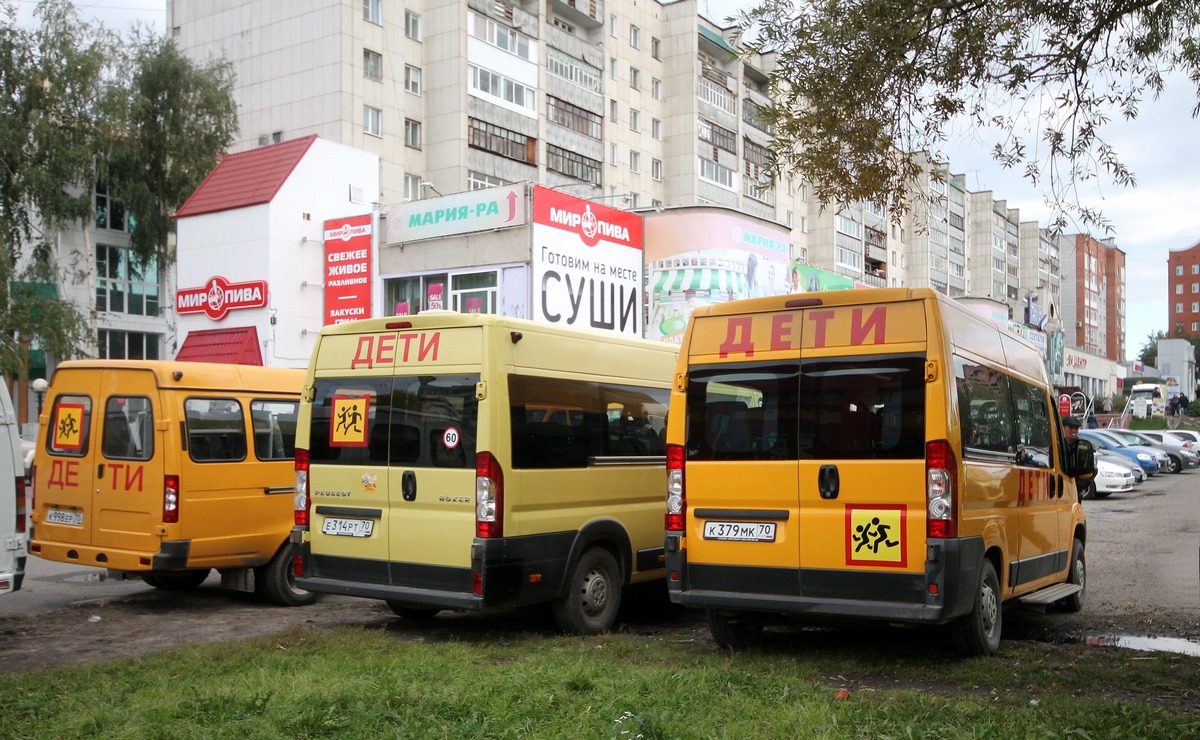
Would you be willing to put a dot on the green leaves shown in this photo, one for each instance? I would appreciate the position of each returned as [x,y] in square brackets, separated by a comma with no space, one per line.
[858,77]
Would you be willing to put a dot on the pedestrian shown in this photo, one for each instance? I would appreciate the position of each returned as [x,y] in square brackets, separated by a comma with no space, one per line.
[1107,404]
[1183,405]
[1081,458]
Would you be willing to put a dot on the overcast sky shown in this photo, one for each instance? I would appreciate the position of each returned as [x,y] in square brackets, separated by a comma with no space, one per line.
[1162,148]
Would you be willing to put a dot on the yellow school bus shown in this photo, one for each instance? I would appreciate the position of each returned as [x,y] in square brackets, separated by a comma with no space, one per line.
[469,462]
[881,454]
[166,470]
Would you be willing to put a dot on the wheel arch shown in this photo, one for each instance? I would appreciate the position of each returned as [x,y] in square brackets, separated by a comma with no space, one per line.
[606,533]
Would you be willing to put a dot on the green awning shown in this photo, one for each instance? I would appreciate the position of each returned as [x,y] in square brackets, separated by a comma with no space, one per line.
[715,37]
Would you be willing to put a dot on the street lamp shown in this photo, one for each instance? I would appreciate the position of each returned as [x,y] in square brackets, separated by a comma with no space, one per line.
[39,386]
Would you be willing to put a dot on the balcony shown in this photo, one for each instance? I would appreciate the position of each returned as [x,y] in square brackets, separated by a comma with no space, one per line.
[716,95]
[761,194]
[584,13]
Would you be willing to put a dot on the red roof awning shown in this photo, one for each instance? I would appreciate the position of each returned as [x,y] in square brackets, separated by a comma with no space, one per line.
[235,345]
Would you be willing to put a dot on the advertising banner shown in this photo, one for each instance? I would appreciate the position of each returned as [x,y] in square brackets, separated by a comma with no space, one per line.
[348,269]
[217,297]
[703,256]
[460,213]
[587,264]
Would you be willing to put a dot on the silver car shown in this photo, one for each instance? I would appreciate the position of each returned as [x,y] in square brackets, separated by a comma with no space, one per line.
[1180,456]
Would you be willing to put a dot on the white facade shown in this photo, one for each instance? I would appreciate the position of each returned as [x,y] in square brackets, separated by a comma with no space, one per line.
[280,242]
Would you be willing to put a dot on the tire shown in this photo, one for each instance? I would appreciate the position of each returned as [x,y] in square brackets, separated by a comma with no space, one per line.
[1100,494]
[415,613]
[176,580]
[593,596]
[276,581]
[1086,492]
[1077,577]
[1174,464]
[734,630]
[978,633]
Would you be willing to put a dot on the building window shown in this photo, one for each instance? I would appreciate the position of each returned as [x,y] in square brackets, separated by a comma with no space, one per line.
[372,121]
[635,119]
[656,48]
[1195,307]
[479,181]
[412,79]
[127,345]
[635,37]
[757,159]
[489,83]
[572,164]
[373,11]
[412,187]
[492,138]
[412,133]
[612,153]
[612,26]
[560,23]
[656,89]
[1195,269]
[1179,289]
[849,258]
[715,173]
[1196,287]
[1178,308]
[722,138]
[124,284]
[635,78]
[1196,326]
[501,36]
[612,110]
[656,129]
[574,118]
[612,67]
[573,70]
[372,65]
[412,25]
[849,227]
[110,212]
[791,219]
[656,169]
[1179,269]
[635,162]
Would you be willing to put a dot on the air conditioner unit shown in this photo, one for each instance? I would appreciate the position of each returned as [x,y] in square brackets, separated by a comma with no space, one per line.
[1078,324]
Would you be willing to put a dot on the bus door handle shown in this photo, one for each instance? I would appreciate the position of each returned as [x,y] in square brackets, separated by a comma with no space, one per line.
[408,486]
[827,481]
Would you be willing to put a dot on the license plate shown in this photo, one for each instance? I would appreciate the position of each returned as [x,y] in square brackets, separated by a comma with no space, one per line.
[58,516]
[348,527]
[740,531]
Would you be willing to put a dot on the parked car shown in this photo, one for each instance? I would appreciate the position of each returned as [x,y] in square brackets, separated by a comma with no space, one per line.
[1187,435]
[1165,462]
[1112,477]
[1181,452]
[1141,456]
[1139,473]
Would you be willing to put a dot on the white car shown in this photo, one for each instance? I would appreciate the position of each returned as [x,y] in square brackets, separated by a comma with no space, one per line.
[1112,478]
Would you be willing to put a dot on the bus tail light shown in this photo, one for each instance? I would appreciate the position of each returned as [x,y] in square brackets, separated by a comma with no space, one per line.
[170,513]
[676,518]
[489,496]
[941,491]
[301,501]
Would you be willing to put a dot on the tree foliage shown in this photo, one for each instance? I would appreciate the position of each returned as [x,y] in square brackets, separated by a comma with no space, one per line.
[863,85]
[1148,354]
[80,105]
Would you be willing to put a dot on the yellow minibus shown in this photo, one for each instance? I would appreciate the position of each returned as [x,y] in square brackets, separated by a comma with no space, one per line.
[165,470]
[468,461]
[883,454]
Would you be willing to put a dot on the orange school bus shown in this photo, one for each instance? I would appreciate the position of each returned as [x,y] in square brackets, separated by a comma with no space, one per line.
[880,454]
[165,470]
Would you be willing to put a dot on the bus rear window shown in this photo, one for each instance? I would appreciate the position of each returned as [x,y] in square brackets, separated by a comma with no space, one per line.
[420,421]
[837,408]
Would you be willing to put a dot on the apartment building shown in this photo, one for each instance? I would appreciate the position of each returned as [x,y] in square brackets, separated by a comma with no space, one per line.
[1093,302]
[1183,290]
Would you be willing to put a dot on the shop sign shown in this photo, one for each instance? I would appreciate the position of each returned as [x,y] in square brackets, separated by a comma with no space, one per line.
[218,297]
[347,269]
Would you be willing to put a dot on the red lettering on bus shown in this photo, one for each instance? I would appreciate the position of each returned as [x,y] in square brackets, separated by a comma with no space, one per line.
[744,345]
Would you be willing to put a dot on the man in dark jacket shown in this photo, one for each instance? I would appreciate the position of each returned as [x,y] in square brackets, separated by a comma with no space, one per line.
[1080,458]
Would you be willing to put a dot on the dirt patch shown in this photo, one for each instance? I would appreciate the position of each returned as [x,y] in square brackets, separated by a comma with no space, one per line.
[151,621]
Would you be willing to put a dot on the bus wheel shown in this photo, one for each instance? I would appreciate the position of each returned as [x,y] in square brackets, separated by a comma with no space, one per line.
[276,581]
[1077,577]
[593,595]
[182,580]
[734,630]
[978,633]
[415,613]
